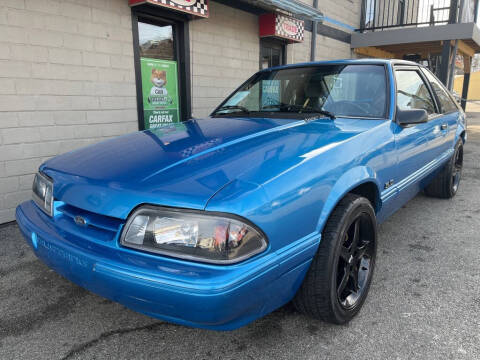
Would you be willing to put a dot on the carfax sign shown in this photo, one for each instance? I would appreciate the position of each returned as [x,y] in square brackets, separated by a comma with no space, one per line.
[160,92]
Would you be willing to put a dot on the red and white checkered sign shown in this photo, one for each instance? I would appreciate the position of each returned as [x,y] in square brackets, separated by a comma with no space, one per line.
[289,28]
[194,7]
[282,26]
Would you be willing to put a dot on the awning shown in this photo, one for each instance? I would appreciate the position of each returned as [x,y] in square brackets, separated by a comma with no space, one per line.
[292,7]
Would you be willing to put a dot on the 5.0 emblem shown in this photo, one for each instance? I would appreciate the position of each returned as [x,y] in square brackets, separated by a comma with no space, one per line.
[389,184]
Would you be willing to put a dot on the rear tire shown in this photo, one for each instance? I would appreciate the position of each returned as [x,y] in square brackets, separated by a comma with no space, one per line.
[445,184]
[339,277]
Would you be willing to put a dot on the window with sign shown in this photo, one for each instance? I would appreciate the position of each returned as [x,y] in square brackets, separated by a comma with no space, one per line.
[159,74]
[162,71]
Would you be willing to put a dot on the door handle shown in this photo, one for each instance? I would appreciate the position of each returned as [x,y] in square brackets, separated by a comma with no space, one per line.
[444,127]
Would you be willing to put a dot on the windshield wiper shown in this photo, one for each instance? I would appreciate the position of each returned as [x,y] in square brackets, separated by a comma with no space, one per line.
[242,109]
[299,108]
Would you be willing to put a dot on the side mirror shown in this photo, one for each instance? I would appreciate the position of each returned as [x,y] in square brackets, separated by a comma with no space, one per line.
[411,117]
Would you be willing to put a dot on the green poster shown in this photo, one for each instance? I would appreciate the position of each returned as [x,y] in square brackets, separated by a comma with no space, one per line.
[160,92]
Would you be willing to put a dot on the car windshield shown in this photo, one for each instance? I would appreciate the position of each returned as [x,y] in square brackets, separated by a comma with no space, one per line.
[331,90]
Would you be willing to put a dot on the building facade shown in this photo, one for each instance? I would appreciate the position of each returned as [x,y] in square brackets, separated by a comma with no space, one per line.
[75,72]
[442,34]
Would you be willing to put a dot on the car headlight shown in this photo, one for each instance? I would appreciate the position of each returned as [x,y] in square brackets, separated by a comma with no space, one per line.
[43,192]
[193,235]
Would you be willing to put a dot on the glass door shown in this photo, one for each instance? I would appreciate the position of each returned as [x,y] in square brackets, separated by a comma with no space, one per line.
[159,74]
[272,53]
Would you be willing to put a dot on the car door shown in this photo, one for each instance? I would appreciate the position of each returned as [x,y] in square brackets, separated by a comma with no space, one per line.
[414,144]
[450,113]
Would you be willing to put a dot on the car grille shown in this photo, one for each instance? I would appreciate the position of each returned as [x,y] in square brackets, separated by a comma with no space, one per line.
[86,223]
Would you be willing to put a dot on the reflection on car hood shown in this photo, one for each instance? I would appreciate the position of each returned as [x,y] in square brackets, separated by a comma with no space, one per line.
[185,164]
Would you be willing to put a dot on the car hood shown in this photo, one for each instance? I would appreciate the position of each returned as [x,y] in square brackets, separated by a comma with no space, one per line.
[185,164]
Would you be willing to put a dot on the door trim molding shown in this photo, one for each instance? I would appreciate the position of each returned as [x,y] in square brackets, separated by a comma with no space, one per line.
[416,176]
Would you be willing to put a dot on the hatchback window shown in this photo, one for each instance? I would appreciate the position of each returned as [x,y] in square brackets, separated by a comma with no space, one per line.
[445,100]
[337,89]
[412,92]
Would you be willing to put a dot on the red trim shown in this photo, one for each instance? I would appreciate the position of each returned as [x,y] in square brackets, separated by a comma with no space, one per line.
[267,24]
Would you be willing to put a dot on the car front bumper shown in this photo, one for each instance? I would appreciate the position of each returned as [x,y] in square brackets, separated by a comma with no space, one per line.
[187,293]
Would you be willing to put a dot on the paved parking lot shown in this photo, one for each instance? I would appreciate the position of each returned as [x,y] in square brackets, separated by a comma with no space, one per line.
[424,302]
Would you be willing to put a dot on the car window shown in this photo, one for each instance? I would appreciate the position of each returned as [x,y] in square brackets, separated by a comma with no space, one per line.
[344,90]
[412,92]
[446,102]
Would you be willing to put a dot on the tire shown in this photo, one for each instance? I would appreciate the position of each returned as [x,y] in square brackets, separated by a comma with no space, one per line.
[336,259]
[445,184]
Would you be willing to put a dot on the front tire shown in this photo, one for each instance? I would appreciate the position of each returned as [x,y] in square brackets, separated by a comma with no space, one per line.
[339,277]
[445,184]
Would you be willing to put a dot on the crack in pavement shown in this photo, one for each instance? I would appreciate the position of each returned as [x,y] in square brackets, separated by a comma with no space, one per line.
[79,348]
[29,321]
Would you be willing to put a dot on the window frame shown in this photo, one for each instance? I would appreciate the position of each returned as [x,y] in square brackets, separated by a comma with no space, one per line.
[424,70]
[417,69]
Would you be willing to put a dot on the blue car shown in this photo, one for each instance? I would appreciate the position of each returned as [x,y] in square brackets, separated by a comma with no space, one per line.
[274,197]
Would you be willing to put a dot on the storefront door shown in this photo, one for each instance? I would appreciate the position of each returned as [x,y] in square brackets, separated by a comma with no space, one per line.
[162,79]
[159,68]
[272,53]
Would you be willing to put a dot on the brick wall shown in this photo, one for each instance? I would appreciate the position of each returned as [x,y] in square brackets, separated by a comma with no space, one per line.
[346,11]
[66,80]
[331,49]
[225,51]
[300,52]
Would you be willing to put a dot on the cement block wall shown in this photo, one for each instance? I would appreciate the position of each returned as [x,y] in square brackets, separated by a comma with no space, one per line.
[66,80]
[224,52]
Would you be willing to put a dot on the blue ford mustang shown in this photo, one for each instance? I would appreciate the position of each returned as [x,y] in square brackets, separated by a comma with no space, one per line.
[275,197]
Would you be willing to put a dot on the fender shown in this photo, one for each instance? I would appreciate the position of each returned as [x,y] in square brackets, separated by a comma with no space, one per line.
[351,179]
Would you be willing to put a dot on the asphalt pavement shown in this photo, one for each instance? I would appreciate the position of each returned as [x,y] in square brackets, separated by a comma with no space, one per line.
[424,302]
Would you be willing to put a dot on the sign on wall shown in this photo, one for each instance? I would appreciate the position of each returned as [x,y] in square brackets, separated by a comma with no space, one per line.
[194,7]
[282,27]
[160,92]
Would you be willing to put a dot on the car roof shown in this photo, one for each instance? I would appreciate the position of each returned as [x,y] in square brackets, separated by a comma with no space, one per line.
[347,61]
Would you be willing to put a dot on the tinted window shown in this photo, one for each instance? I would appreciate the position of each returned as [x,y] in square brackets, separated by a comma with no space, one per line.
[344,90]
[445,100]
[412,92]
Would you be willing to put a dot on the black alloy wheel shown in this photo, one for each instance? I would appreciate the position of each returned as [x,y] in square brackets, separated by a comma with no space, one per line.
[355,262]
[446,183]
[337,283]
[457,168]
